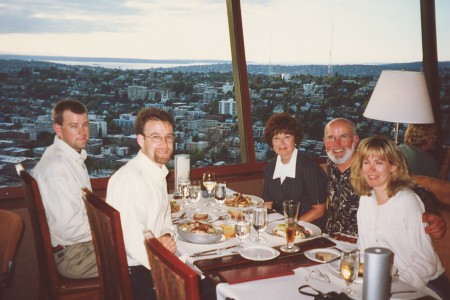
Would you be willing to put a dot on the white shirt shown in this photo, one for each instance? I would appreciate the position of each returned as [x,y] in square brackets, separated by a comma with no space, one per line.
[397,225]
[138,191]
[61,175]
[285,170]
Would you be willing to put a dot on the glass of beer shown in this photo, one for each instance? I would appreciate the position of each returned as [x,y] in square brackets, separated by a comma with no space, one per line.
[290,210]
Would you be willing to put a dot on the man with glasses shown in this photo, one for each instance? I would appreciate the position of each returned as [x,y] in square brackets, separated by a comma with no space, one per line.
[341,141]
[61,174]
[138,190]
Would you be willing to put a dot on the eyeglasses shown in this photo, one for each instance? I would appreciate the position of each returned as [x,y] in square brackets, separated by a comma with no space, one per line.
[158,139]
[342,138]
[281,138]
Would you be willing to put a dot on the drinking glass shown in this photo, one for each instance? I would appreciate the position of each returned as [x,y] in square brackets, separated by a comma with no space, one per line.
[259,223]
[194,194]
[290,210]
[242,230]
[349,269]
[183,183]
[209,182]
[220,193]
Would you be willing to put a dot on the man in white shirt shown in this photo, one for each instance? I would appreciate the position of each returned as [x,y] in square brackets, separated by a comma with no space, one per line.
[61,174]
[138,191]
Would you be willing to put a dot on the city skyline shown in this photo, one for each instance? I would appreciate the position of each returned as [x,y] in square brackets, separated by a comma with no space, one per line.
[278,32]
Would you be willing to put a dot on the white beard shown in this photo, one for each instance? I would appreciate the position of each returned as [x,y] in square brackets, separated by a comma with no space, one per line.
[345,158]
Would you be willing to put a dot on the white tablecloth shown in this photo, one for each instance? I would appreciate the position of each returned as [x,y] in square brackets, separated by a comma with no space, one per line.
[285,287]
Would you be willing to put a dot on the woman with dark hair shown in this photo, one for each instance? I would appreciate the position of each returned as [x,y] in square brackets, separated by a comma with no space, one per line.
[419,138]
[390,214]
[293,175]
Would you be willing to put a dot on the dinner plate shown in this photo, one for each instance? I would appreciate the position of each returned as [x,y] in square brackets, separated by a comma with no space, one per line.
[259,253]
[211,217]
[311,254]
[222,239]
[315,230]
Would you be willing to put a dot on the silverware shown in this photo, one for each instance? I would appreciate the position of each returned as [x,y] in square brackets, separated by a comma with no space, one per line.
[213,251]
[280,219]
[216,253]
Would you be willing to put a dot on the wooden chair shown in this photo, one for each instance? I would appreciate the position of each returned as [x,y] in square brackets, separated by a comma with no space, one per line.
[52,285]
[107,235]
[173,279]
[10,234]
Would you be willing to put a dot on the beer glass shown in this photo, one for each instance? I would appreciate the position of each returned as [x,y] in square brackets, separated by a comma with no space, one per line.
[290,210]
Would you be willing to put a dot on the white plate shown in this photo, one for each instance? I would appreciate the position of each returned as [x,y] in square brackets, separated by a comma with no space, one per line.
[315,230]
[259,253]
[335,270]
[311,254]
[255,202]
[209,219]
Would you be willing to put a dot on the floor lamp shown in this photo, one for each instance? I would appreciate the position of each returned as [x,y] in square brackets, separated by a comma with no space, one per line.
[400,97]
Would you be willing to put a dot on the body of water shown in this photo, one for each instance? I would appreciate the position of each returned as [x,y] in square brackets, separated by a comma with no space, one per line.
[125,65]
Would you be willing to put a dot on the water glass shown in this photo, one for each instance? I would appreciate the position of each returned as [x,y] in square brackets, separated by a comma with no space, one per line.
[209,182]
[259,222]
[194,194]
[290,210]
[220,194]
[183,184]
[242,230]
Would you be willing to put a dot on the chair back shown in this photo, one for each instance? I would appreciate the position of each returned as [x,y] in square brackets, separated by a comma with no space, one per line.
[51,283]
[109,246]
[173,279]
[11,226]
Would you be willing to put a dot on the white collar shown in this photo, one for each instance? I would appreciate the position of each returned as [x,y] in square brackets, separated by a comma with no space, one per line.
[285,170]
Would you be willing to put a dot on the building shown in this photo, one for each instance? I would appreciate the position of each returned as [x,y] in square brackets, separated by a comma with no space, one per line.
[227,107]
[136,92]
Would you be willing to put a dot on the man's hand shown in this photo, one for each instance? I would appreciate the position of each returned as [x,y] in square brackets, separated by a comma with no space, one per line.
[437,227]
[168,242]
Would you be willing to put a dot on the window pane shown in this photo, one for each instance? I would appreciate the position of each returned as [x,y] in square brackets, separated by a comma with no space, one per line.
[190,36]
[321,59]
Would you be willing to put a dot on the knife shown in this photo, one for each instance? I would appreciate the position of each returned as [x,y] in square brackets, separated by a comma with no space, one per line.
[213,250]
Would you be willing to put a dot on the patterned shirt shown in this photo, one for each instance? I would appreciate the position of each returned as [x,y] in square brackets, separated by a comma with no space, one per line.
[342,202]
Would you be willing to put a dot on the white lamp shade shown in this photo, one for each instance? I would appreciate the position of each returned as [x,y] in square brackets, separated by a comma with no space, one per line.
[400,97]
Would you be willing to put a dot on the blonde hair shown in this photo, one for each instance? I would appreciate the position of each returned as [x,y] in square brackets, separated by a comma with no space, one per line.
[418,134]
[384,149]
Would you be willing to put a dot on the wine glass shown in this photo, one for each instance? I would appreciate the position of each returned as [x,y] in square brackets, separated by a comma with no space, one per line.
[349,269]
[220,193]
[209,182]
[194,194]
[259,223]
[242,230]
[183,183]
[290,209]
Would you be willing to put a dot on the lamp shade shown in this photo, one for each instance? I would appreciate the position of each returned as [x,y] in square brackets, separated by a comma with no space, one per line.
[400,97]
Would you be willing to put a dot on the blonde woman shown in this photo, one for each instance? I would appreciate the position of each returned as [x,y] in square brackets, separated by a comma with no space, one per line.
[390,214]
[419,138]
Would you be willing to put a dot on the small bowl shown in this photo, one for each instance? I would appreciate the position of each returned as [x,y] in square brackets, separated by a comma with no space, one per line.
[196,238]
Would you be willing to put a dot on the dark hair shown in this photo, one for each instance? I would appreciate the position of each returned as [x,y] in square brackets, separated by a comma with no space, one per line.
[282,123]
[72,105]
[151,114]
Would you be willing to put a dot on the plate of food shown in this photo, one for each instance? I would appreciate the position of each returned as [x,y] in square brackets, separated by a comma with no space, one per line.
[203,217]
[259,253]
[242,201]
[176,206]
[323,255]
[200,232]
[305,230]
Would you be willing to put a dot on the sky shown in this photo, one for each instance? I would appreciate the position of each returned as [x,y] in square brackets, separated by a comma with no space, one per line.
[275,31]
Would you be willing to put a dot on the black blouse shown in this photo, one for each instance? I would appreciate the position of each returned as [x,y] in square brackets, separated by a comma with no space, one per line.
[309,187]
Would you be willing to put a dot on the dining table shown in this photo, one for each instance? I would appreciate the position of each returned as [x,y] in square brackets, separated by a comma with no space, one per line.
[237,276]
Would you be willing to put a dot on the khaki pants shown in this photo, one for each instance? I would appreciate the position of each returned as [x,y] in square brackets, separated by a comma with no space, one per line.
[77,261]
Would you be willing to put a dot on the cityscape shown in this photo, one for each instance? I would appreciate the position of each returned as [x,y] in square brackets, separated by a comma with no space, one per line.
[201,99]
